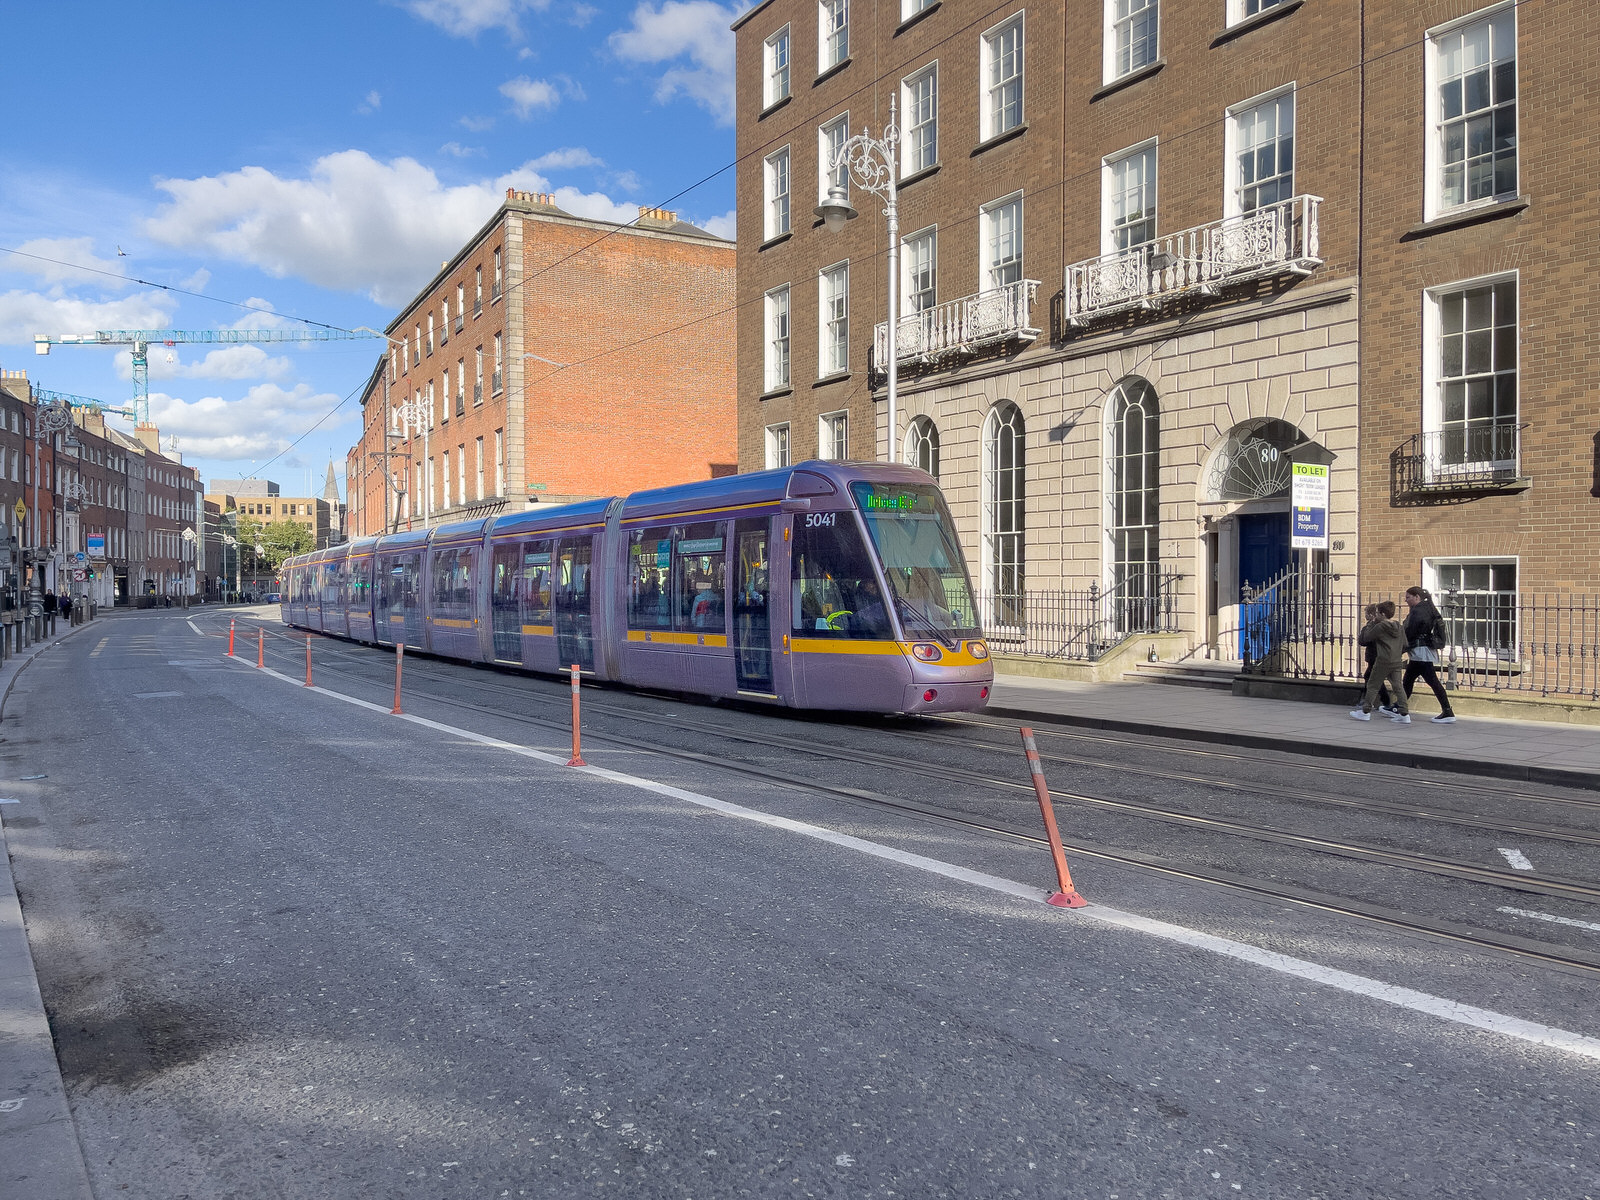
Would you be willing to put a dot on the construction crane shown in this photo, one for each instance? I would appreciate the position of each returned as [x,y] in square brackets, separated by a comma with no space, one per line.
[142,339]
[87,402]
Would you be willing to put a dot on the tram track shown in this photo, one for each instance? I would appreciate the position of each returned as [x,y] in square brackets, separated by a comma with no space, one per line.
[1546,952]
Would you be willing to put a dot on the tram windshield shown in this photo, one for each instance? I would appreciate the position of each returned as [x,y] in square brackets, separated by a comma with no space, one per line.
[915,538]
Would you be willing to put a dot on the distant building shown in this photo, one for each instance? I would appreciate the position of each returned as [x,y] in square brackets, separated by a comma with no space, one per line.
[554,358]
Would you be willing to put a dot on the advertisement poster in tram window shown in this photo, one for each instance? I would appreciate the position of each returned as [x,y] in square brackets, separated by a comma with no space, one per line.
[1308,498]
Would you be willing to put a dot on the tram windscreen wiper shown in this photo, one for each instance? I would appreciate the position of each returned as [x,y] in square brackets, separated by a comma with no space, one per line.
[906,606]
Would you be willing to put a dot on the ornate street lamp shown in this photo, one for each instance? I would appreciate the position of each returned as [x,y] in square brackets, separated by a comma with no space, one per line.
[419,413]
[871,162]
[49,420]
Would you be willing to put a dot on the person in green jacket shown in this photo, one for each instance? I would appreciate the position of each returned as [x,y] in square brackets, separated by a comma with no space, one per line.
[1388,638]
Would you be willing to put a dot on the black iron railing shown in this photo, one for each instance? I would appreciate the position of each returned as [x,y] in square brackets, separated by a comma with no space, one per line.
[1473,456]
[1081,625]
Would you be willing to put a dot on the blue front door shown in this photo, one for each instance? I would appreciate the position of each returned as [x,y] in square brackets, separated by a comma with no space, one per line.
[1263,547]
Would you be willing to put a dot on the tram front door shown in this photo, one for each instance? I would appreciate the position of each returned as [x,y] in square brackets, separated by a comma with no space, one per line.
[752,629]
[573,617]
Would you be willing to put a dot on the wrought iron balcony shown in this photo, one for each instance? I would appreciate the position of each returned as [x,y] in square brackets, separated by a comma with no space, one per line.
[961,327]
[1279,239]
[1475,457]
[460,321]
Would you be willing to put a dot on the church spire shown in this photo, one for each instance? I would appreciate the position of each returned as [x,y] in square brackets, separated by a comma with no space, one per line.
[330,490]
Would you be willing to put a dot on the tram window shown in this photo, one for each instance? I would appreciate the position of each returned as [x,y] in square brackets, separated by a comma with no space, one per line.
[536,582]
[700,576]
[452,578]
[444,562]
[836,593]
[649,578]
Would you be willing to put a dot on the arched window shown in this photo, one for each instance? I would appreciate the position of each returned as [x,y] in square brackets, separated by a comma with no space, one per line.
[1003,497]
[922,446]
[1135,420]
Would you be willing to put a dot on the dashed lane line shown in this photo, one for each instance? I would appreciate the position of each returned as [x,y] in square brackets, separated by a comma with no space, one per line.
[1401,997]
[1517,859]
[1539,916]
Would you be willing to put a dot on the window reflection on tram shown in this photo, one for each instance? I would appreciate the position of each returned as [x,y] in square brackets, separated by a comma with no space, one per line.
[836,591]
[915,538]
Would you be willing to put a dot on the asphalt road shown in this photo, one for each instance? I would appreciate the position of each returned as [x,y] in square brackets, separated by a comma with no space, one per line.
[291,947]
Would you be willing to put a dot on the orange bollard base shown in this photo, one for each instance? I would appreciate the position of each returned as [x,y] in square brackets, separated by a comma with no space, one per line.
[577,753]
[1067,900]
[261,649]
[308,661]
[230,639]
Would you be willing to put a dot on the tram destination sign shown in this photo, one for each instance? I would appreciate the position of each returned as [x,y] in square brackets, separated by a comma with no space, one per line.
[1308,502]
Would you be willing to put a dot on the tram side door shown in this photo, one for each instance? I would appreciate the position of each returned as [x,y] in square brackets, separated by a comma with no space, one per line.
[752,626]
[505,608]
[574,618]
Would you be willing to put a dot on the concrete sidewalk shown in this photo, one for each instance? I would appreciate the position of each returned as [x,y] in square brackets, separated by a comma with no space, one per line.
[1531,751]
[40,1157]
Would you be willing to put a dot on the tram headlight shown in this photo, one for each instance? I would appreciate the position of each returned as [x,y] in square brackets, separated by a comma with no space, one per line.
[926,652]
[978,650]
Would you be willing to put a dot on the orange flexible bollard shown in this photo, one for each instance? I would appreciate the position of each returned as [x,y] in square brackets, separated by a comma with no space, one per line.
[308,660]
[1068,896]
[399,661]
[230,637]
[577,754]
[261,647]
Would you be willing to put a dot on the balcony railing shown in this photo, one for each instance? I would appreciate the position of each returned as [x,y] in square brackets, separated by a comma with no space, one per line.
[477,392]
[1477,456]
[1280,238]
[461,320]
[497,383]
[495,293]
[963,326]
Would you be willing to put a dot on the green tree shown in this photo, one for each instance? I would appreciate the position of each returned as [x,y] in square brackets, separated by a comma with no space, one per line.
[284,539]
[248,530]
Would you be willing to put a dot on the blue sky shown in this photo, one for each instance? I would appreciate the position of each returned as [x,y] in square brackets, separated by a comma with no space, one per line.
[316,160]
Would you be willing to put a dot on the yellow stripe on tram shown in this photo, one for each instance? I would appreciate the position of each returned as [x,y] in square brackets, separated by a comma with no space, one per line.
[539,630]
[666,637]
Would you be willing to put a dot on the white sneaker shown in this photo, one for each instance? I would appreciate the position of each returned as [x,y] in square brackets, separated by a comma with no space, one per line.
[1401,718]
[1361,714]
[1445,719]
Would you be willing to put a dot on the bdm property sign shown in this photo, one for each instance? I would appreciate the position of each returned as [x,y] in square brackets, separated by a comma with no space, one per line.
[1308,500]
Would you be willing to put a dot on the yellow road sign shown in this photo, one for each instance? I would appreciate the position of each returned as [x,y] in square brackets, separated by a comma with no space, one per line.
[22,511]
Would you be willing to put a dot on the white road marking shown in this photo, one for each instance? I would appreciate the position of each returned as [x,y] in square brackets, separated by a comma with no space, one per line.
[154,695]
[1517,859]
[1528,912]
[194,627]
[10,801]
[1359,985]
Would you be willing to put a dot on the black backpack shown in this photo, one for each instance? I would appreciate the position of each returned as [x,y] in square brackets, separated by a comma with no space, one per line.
[1437,639]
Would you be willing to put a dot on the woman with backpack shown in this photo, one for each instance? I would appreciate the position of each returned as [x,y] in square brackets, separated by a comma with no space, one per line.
[1425,637]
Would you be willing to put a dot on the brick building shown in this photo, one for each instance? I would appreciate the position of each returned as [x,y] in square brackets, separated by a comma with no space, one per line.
[557,358]
[1153,255]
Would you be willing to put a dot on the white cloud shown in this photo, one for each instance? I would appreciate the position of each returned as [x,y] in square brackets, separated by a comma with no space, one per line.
[564,159]
[476,124]
[724,226]
[197,282]
[226,362]
[352,223]
[457,150]
[528,94]
[372,103]
[628,181]
[468,18]
[262,423]
[23,314]
[696,29]
[56,260]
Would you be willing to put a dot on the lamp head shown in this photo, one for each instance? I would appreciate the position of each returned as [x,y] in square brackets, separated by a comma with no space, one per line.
[836,209]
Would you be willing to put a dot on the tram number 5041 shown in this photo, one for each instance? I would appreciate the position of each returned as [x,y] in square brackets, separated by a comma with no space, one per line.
[813,520]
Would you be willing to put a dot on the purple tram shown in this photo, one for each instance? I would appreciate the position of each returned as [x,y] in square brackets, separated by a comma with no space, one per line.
[824,585]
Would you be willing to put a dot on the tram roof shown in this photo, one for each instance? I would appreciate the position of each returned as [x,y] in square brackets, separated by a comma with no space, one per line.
[550,517]
[762,487]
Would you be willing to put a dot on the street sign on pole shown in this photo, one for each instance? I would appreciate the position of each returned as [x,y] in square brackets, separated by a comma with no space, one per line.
[22,512]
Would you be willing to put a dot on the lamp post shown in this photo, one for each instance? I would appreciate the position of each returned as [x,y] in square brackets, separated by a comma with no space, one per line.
[420,413]
[228,540]
[50,419]
[871,162]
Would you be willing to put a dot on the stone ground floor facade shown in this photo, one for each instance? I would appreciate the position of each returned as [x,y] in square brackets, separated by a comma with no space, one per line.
[1161,450]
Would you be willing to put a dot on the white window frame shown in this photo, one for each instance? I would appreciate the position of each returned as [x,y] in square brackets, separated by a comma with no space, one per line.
[1238,10]
[1433,365]
[1430,578]
[777,338]
[911,127]
[908,295]
[834,443]
[1230,185]
[1433,193]
[777,442]
[990,126]
[833,33]
[992,268]
[777,187]
[461,474]
[910,8]
[833,320]
[1113,70]
[831,135]
[1108,238]
[777,68]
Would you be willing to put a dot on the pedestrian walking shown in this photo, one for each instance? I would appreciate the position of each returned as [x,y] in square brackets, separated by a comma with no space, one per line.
[1388,639]
[66,609]
[1425,637]
[1385,702]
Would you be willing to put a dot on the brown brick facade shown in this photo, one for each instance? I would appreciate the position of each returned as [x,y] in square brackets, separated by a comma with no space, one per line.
[615,369]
